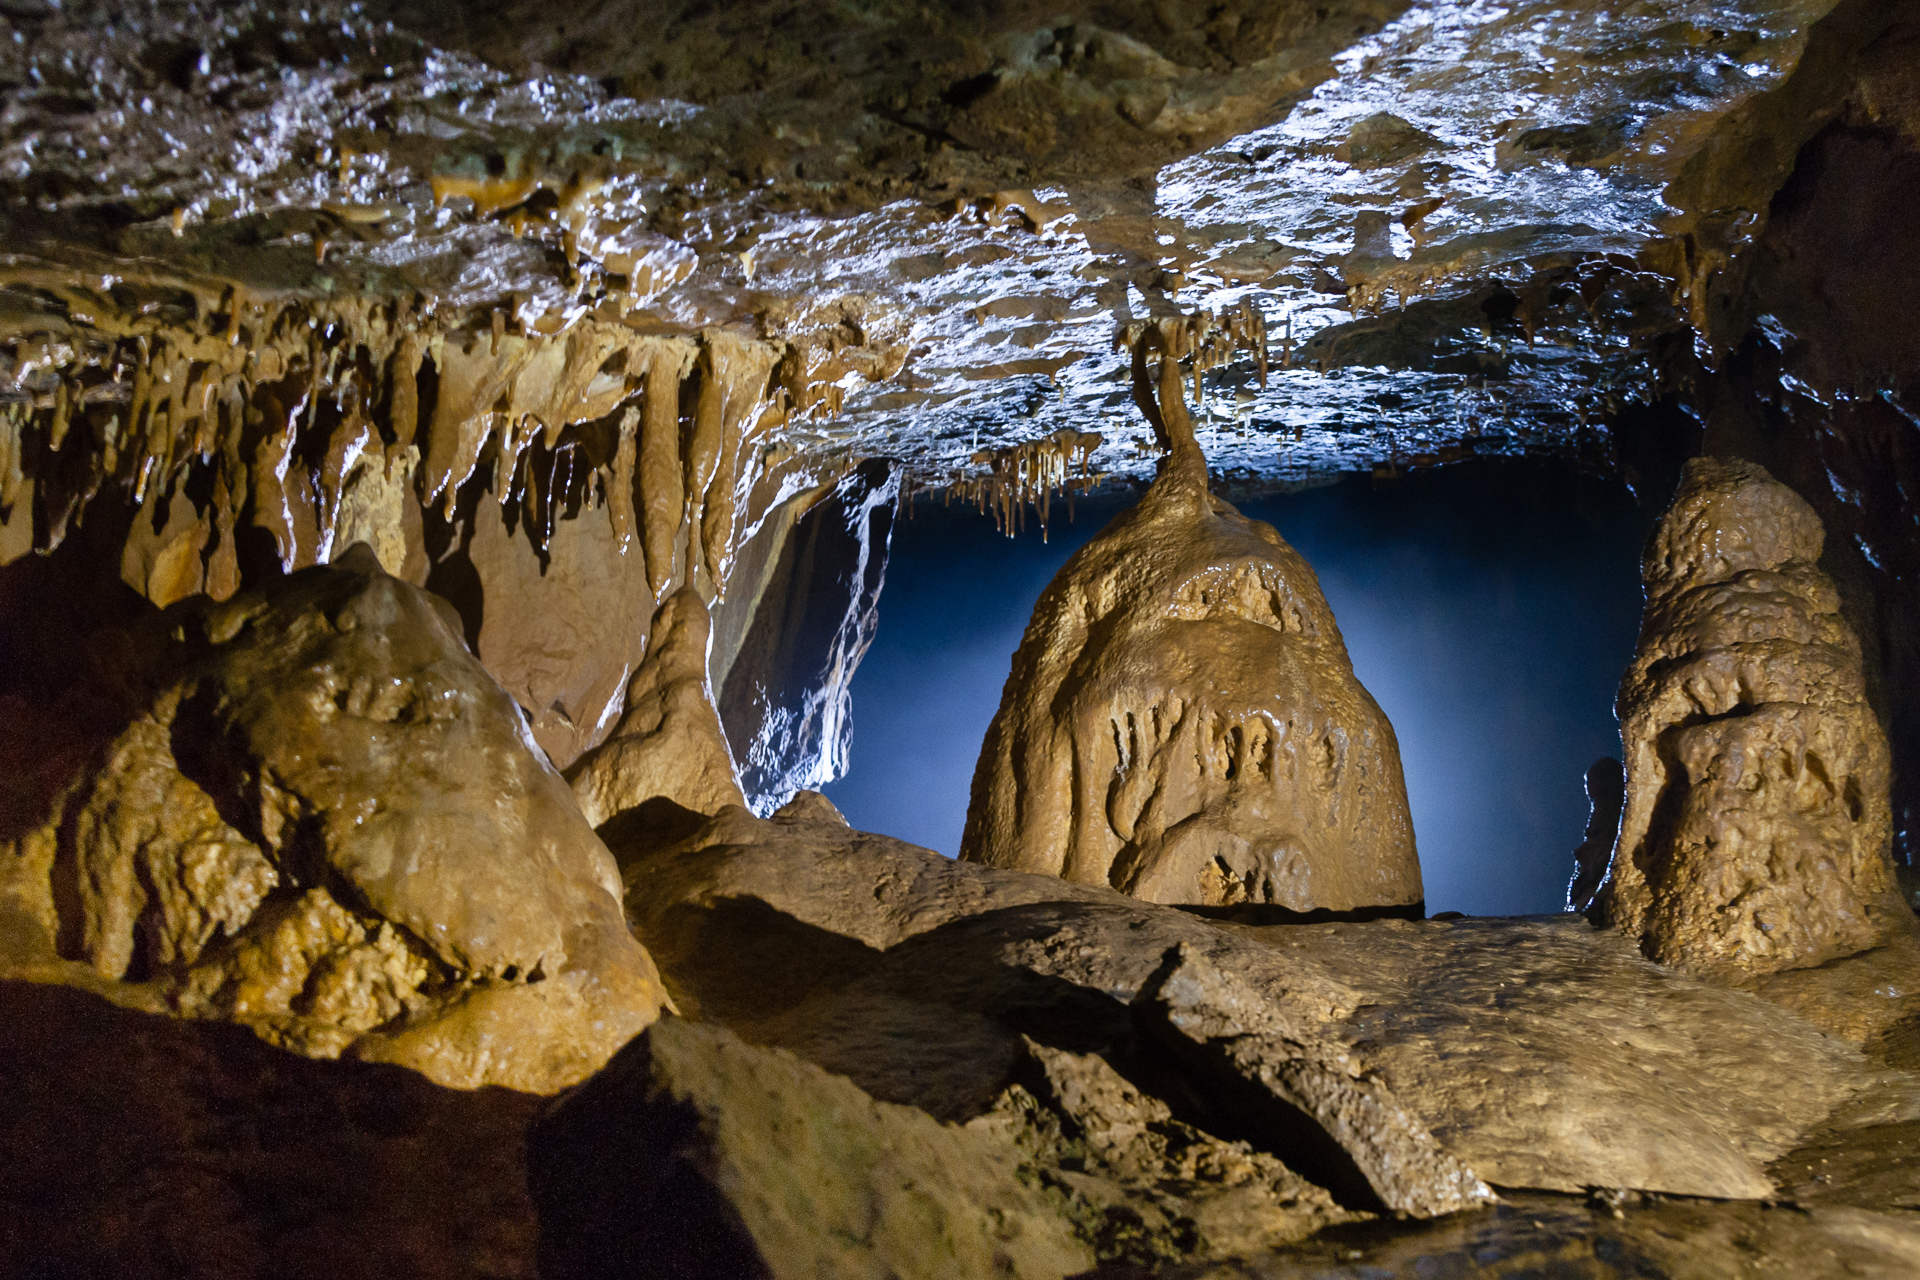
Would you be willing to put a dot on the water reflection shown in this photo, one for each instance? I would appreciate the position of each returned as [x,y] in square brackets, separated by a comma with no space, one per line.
[1489,607]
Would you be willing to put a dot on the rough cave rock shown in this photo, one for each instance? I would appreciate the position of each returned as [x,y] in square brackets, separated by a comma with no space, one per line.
[310,810]
[1338,1046]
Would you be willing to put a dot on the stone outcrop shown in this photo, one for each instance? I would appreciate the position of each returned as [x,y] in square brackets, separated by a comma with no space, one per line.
[1756,831]
[1374,1150]
[1182,721]
[924,980]
[786,698]
[309,810]
[669,743]
[696,1154]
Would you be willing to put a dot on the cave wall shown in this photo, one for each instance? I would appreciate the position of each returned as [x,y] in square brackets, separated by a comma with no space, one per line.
[1822,383]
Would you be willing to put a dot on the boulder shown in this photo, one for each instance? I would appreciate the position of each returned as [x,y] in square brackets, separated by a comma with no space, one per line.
[696,1154]
[1182,721]
[318,816]
[1756,831]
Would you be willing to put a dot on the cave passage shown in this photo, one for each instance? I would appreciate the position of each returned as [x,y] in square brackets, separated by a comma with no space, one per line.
[1489,607]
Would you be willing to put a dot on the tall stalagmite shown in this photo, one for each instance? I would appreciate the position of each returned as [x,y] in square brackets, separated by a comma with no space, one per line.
[1756,831]
[1182,720]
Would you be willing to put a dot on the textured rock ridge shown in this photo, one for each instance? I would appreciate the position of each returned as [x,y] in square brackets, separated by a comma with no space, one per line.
[310,811]
[669,743]
[1371,1135]
[1756,831]
[1182,721]
[696,1154]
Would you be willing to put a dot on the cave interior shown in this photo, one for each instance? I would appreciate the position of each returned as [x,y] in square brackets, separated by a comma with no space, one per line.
[1376,547]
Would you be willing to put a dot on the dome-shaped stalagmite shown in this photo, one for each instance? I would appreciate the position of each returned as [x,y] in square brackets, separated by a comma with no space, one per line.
[1182,720]
[1756,830]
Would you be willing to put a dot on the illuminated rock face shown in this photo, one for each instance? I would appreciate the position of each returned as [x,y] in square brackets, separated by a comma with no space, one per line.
[319,817]
[786,698]
[1182,721]
[1756,830]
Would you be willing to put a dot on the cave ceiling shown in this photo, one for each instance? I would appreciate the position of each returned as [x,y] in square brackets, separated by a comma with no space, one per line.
[1463,227]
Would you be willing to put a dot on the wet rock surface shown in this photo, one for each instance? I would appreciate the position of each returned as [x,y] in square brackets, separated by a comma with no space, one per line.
[309,810]
[786,699]
[1756,833]
[1182,721]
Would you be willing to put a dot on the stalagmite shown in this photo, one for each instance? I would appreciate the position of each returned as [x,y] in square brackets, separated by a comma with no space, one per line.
[669,743]
[1182,721]
[1756,830]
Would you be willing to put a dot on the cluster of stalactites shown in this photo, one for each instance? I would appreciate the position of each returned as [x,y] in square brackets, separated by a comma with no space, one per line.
[319,420]
[1208,339]
[1029,474]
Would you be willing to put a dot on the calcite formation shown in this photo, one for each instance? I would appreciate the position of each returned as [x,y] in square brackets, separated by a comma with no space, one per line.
[1756,830]
[669,744]
[786,696]
[309,810]
[543,481]
[1182,721]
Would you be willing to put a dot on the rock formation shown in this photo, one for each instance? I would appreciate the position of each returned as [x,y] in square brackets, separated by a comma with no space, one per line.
[1756,830]
[669,743]
[309,810]
[1606,794]
[695,1154]
[1337,1048]
[786,697]
[1182,721]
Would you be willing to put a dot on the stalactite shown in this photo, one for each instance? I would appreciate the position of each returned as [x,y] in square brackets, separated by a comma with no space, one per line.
[1029,474]
[663,495]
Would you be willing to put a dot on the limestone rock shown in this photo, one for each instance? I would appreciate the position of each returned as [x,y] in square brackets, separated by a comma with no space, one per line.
[321,818]
[1138,1182]
[696,1154]
[1756,830]
[1296,1073]
[1606,793]
[922,978]
[670,742]
[786,699]
[1182,721]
